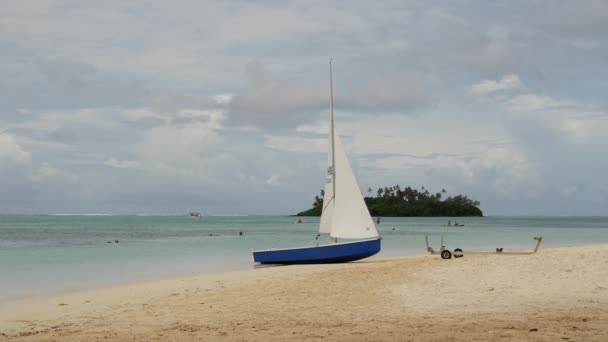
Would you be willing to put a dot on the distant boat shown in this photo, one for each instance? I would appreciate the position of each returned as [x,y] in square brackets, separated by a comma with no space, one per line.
[455,224]
[196,215]
[344,214]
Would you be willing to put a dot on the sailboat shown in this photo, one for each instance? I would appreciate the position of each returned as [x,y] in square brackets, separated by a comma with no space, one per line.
[344,214]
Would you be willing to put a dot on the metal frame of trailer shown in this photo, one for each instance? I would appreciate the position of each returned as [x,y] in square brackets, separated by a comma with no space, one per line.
[458,253]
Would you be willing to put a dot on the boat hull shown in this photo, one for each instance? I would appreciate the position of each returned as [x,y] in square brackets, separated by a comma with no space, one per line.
[334,253]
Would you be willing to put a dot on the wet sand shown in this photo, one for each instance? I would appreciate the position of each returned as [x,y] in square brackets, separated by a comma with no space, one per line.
[558,294]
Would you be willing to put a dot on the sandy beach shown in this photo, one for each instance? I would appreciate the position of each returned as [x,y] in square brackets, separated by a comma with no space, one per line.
[557,294]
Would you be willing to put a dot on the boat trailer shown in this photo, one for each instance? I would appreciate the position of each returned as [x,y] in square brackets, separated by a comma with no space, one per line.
[458,253]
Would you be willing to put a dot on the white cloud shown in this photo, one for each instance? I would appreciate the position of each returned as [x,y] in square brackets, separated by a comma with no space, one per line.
[582,130]
[223,99]
[396,163]
[510,81]
[49,173]
[11,152]
[571,120]
[505,169]
[274,180]
[319,127]
[122,164]
[24,111]
[533,102]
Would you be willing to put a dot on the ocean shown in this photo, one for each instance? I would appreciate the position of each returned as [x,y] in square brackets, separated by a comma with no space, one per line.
[47,254]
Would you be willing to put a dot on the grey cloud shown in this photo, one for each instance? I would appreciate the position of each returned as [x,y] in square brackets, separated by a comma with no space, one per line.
[273,102]
[148,121]
[397,93]
[65,84]
[94,134]
[165,100]
[280,104]
[74,74]
[187,120]
[255,71]
[64,135]
[60,60]
[584,18]
[86,134]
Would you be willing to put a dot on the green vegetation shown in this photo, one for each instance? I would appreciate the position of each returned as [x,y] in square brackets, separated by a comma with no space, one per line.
[394,201]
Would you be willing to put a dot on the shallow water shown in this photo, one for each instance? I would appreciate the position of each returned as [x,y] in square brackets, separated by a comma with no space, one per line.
[44,254]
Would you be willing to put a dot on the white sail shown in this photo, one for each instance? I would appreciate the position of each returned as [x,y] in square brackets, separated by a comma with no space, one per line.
[328,198]
[350,218]
[344,213]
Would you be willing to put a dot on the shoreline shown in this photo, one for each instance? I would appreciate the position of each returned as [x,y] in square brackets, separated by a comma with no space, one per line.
[47,294]
[52,295]
[99,285]
[561,292]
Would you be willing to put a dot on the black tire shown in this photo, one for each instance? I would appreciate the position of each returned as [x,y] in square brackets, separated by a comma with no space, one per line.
[458,253]
[445,254]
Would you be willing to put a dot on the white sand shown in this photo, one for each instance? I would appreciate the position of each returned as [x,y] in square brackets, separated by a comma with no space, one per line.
[562,292]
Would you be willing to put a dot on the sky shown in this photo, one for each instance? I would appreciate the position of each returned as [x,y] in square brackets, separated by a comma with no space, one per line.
[222,107]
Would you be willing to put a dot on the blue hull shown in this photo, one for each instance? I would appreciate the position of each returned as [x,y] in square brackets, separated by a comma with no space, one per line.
[334,253]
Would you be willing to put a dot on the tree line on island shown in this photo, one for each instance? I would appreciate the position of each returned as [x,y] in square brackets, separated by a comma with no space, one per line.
[394,201]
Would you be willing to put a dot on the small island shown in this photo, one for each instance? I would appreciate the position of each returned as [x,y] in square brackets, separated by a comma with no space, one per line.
[397,202]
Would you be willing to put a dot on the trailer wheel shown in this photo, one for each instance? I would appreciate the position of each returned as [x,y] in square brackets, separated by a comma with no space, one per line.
[446,254]
[458,253]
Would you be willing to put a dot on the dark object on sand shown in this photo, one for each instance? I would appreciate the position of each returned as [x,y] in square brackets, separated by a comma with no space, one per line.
[445,254]
[499,250]
[458,253]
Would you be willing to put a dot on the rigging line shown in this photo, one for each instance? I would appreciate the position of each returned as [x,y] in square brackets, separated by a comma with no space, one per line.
[328,202]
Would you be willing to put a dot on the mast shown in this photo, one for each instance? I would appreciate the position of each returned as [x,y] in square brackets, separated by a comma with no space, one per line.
[333,148]
[331,114]
[348,218]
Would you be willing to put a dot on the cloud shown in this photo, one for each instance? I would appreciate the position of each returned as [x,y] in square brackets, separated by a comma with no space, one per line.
[534,102]
[148,121]
[565,117]
[11,152]
[225,107]
[122,164]
[47,172]
[271,102]
[24,180]
[399,92]
[74,74]
[510,81]
[587,18]
[502,168]
[274,180]
[296,144]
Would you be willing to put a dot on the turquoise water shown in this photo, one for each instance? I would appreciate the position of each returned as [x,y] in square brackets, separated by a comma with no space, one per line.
[46,254]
